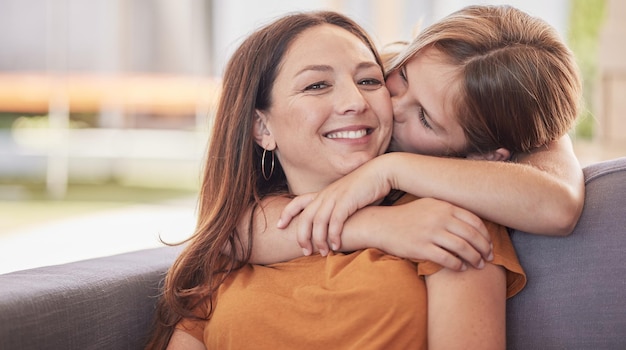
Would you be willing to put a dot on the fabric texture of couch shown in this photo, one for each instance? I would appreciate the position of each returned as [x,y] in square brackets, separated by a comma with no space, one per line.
[575,297]
[576,292]
[103,303]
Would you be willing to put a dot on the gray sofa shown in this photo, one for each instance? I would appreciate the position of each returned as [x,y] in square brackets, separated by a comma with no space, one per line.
[575,297]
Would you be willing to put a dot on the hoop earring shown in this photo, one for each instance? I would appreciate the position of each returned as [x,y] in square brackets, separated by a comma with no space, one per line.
[267,177]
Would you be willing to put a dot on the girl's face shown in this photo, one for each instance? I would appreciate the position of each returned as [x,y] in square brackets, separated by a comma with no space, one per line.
[423,94]
[330,109]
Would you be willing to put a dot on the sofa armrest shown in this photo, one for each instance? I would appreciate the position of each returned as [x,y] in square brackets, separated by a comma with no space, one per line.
[575,297]
[103,303]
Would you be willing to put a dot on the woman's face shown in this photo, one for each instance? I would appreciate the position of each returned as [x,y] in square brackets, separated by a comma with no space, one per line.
[423,94]
[330,110]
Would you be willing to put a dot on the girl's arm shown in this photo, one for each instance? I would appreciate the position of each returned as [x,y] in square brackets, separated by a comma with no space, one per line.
[423,229]
[467,310]
[541,192]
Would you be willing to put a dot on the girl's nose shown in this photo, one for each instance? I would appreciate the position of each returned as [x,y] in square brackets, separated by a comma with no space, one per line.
[395,84]
[397,88]
[398,110]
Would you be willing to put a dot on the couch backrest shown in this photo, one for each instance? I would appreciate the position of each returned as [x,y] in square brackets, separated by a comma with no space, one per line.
[104,303]
[575,297]
[576,292]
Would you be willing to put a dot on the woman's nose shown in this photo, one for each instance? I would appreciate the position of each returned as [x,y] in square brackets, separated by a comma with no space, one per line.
[351,99]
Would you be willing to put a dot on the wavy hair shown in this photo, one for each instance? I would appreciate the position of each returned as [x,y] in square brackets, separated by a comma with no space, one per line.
[232,181]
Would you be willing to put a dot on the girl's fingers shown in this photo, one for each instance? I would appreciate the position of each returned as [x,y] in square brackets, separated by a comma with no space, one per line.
[445,258]
[295,207]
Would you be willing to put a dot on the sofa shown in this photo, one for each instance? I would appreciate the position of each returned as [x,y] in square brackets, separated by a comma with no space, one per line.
[575,297]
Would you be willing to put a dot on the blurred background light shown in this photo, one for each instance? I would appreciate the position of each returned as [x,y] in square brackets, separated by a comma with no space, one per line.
[105,107]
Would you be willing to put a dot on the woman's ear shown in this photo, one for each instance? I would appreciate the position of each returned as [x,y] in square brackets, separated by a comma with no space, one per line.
[262,134]
[499,155]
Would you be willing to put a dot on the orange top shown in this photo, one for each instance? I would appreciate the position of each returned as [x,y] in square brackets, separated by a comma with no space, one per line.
[362,300]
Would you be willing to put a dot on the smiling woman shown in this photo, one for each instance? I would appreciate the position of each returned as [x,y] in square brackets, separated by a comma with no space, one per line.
[307,76]
[339,115]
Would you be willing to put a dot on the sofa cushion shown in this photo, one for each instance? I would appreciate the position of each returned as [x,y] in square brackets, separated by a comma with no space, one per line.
[104,303]
[576,292]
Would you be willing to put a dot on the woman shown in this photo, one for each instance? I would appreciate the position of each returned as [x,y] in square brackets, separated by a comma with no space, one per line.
[311,88]
[475,72]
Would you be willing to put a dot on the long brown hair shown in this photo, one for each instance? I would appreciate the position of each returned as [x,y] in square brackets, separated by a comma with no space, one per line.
[232,180]
[520,83]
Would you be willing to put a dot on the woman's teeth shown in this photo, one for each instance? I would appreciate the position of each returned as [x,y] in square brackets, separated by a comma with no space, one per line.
[347,134]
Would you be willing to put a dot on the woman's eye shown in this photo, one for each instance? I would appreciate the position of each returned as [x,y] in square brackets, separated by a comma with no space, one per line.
[423,120]
[316,86]
[371,82]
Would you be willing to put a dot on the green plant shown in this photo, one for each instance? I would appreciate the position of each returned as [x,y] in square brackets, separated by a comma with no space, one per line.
[585,23]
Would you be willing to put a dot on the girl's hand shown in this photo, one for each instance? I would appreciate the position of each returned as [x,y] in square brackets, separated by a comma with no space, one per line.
[424,229]
[323,214]
[434,230]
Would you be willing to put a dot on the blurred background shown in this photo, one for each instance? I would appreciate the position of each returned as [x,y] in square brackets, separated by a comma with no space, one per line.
[105,107]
